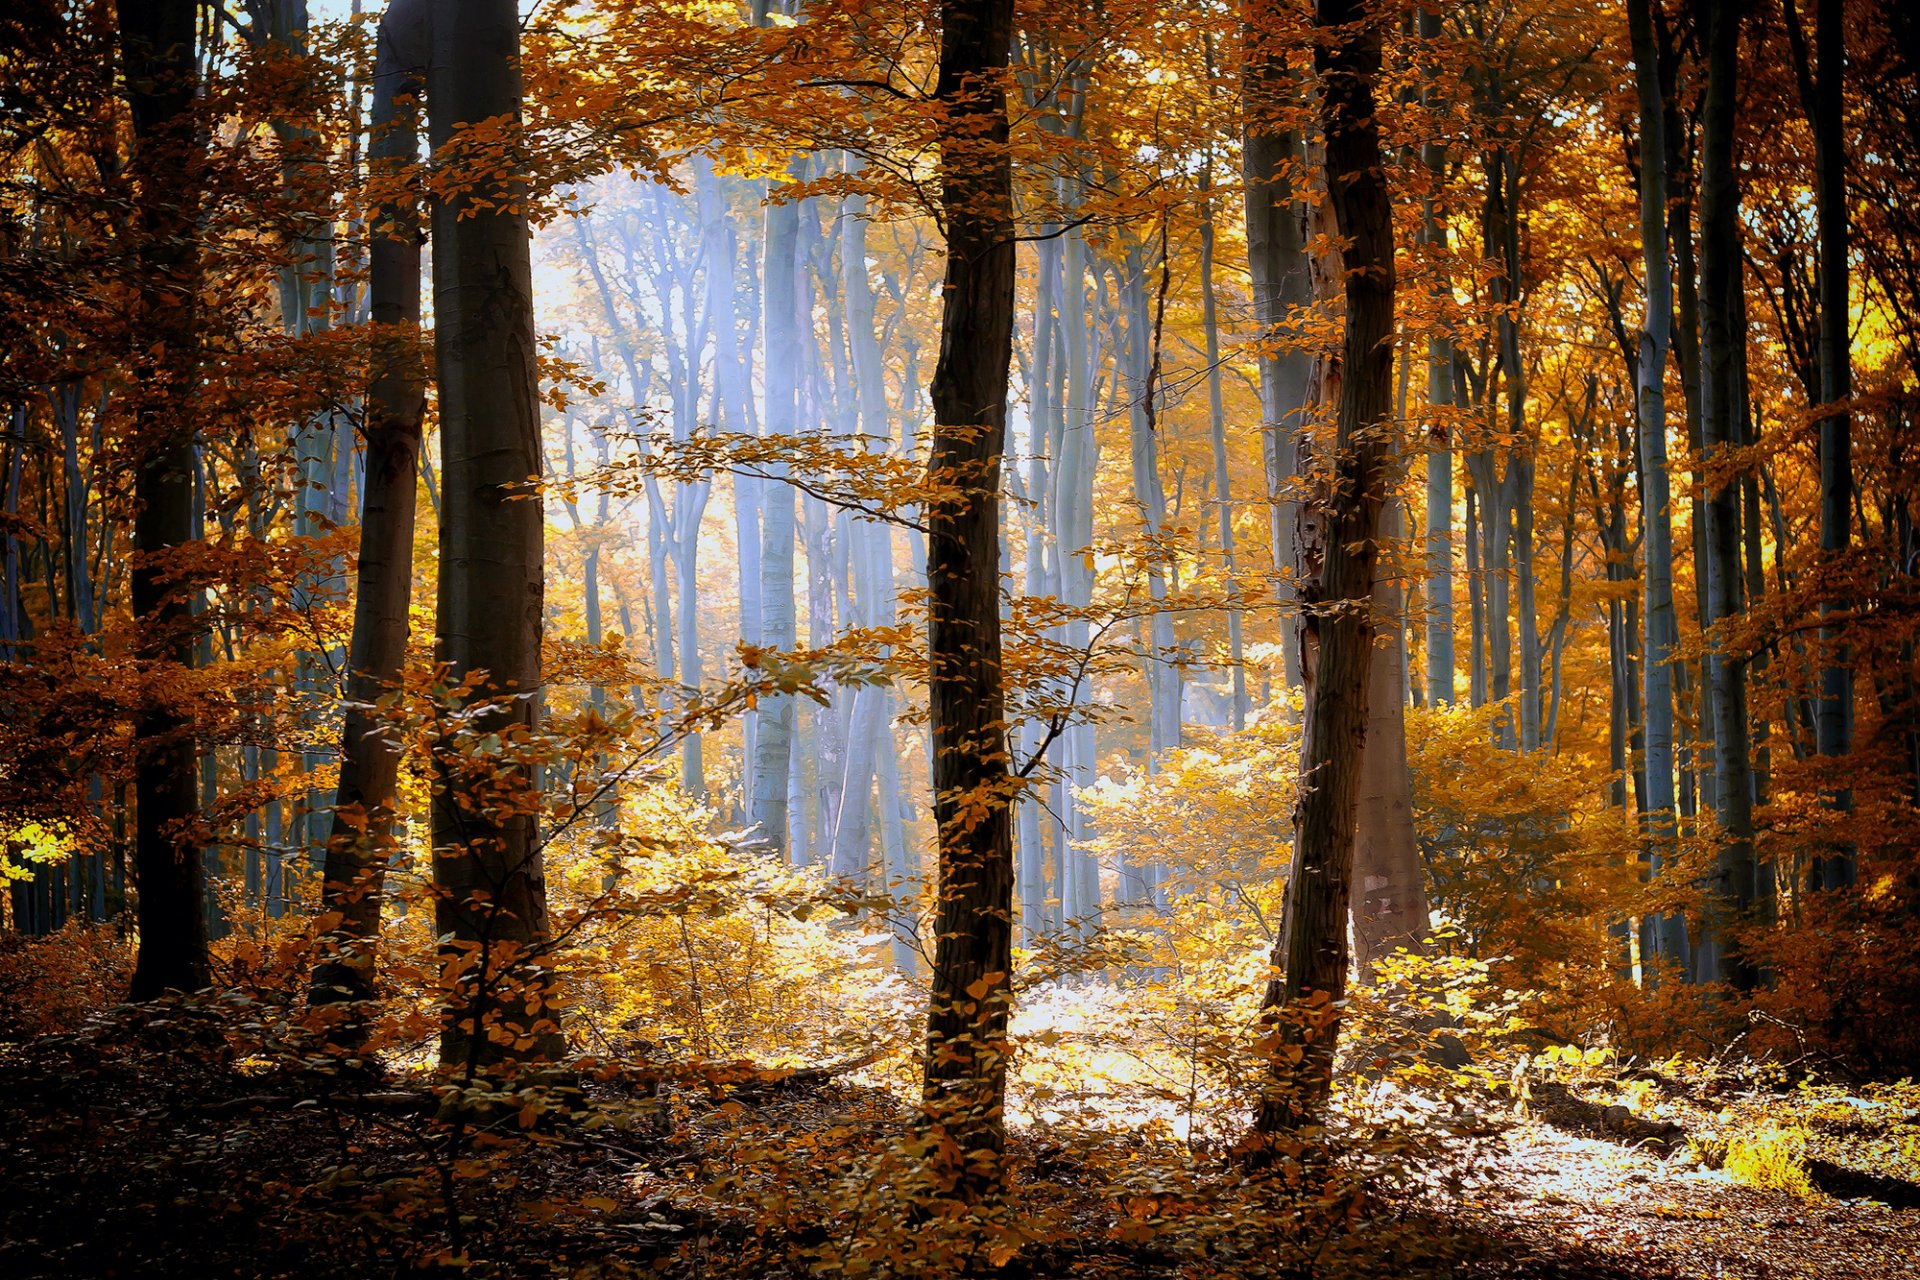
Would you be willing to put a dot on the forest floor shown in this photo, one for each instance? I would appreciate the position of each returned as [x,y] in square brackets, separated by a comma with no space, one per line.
[145,1153]
[1564,1205]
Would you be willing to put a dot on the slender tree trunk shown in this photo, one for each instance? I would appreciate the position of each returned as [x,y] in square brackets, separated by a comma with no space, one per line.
[780,330]
[1072,509]
[361,838]
[1823,97]
[1735,884]
[1338,551]
[1439,587]
[159,45]
[488,869]
[1217,432]
[966,1064]
[1277,260]
[1661,635]
[1390,895]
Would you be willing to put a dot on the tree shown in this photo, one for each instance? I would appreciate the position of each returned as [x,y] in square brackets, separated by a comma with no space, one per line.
[358,844]
[159,43]
[1337,550]
[1666,937]
[1822,95]
[966,1064]
[1724,377]
[488,870]
[1276,257]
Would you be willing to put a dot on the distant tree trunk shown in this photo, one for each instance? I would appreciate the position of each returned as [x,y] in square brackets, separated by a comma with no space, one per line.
[1037,917]
[1072,509]
[780,330]
[360,840]
[1338,550]
[1277,260]
[1824,100]
[1217,432]
[487,863]
[1439,585]
[966,1063]
[1661,636]
[159,45]
[1735,880]
[1390,895]
[1142,326]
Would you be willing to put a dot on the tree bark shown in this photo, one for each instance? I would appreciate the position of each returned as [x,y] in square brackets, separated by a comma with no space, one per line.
[780,330]
[1661,635]
[966,1065]
[1822,93]
[1390,894]
[159,45]
[1338,553]
[488,868]
[1277,261]
[362,831]
[1735,882]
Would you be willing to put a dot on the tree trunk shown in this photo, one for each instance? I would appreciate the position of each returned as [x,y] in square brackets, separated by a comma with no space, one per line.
[159,45]
[966,1064]
[1217,432]
[361,836]
[492,908]
[1338,551]
[1277,261]
[1439,586]
[1661,635]
[780,330]
[1823,97]
[1735,882]
[1390,900]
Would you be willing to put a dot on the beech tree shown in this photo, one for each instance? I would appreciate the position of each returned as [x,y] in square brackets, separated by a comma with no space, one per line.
[1337,549]
[160,45]
[488,869]
[966,1062]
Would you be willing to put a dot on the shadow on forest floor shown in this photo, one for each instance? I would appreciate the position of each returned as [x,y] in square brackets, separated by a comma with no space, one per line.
[160,1159]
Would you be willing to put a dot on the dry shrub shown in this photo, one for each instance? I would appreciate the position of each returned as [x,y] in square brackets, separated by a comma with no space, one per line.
[52,984]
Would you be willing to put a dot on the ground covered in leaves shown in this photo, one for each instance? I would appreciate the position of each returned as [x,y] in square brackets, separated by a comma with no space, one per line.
[143,1147]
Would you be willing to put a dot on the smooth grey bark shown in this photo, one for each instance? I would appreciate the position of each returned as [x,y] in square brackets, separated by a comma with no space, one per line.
[770,805]
[1277,260]
[1140,350]
[733,392]
[1079,456]
[1034,823]
[492,899]
[1217,435]
[1666,936]
[359,842]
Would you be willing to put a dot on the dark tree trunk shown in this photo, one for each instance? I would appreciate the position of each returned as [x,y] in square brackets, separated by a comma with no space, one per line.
[487,860]
[1735,882]
[966,1065]
[159,45]
[1338,548]
[1822,95]
[361,836]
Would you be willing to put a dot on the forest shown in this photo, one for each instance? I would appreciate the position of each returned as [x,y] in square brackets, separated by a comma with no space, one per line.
[950,638]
